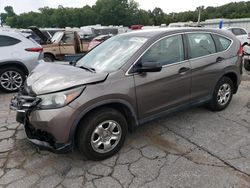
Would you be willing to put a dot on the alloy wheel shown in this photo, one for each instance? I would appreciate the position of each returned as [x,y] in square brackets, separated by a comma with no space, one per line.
[11,80]
[224,94]
[106,136]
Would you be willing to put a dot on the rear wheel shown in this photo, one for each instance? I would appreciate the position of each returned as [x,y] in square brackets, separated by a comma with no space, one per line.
[222,95]
[11,79]
[247,65]
[102,134]
[48,58]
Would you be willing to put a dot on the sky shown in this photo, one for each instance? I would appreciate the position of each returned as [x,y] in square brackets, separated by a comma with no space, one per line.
[168,6]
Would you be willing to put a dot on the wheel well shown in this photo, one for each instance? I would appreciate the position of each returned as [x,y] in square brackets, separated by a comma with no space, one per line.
[244,44]
[17,65]
[47,53]
[123,109]
[234,79]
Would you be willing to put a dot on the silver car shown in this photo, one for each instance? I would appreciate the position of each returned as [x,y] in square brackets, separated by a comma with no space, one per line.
[18,56]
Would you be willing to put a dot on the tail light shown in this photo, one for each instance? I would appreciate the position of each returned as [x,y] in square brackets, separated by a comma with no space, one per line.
[248,35]
[240,51]
[34,49]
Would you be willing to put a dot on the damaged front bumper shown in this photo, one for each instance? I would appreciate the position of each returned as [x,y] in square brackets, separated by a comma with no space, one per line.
[25,105]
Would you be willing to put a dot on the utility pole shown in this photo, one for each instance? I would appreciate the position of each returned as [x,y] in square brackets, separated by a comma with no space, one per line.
[199,16]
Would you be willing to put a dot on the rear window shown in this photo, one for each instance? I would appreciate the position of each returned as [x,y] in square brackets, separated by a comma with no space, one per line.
[8,41]
[222,43]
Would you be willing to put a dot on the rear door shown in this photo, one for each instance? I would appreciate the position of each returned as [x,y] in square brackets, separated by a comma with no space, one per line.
[206,63]
[8,50]
[169,88]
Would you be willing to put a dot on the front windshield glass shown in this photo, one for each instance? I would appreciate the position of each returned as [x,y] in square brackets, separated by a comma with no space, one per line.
[57,37]
[113,53]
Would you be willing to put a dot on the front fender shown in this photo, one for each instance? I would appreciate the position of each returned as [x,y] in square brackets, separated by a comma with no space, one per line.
[98,105]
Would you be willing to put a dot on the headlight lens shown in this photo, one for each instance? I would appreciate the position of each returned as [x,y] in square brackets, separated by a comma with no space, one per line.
[60,99]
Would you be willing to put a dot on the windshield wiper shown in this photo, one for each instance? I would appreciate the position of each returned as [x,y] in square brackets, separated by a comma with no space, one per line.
[90,69]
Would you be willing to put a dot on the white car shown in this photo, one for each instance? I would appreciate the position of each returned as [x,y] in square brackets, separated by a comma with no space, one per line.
[241,34]
[18,56]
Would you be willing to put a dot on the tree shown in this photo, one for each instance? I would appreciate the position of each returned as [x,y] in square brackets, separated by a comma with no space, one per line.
[9,12]
[116,12]
[158,16]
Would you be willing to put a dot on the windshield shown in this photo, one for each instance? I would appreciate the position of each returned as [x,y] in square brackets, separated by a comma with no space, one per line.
[112,54]
[57,37]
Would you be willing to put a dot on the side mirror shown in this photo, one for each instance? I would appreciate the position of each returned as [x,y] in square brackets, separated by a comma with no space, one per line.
[73,62]
[149,67]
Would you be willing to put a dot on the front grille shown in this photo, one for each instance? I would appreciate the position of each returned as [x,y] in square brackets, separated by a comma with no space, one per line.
[22,102]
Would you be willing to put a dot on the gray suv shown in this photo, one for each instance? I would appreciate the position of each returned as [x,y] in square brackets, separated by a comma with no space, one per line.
[19,55]
[126,81]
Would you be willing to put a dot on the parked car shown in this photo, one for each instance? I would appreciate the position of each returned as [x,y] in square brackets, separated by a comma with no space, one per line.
[62,43]
[19,55]
[47,32]
[35,37]
[246,56]
[136,27]
[241,34]
[124,82]
[98,40]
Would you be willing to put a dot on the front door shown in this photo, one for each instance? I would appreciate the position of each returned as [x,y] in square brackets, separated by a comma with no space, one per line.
[67,44]
[160,91]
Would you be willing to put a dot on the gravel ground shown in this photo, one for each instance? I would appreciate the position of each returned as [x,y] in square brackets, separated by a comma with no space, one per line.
[194,148]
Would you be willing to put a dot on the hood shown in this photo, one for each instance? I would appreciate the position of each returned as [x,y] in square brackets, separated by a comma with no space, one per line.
[40,34]
[49,77]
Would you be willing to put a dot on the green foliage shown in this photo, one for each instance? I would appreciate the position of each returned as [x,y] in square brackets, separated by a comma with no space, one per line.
[9,12]
[116,12]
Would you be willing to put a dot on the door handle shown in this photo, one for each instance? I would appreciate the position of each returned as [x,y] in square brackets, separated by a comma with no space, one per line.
[183,70]
[219,59]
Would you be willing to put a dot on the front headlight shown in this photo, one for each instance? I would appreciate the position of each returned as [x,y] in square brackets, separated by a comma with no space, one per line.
[60,99]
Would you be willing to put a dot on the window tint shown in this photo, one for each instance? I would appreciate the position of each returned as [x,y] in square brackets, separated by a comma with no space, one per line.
[238,31]
[222,43]
[68,38]
[167,51]
[201,44]
[8,41]
[243,32]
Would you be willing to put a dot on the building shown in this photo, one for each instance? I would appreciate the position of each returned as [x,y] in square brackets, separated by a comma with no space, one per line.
[214,23]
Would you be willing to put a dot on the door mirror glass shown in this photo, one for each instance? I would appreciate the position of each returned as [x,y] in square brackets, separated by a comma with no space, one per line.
[149,67]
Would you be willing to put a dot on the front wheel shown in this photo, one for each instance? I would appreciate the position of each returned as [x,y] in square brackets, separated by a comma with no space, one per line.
[11,79]
[222,95]
[102,134]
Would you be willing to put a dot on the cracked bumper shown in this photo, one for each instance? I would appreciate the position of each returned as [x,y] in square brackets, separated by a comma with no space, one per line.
[45,140]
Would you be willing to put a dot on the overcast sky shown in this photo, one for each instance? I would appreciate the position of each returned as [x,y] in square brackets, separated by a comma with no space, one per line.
[168,6]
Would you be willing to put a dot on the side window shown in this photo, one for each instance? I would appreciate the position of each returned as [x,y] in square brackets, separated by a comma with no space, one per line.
[236,31]
[201,44]
[68,38]
[222,43]
[8,41]
[243,32]
[167,51]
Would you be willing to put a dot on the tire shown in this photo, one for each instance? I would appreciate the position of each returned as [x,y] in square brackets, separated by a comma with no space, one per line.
[48,58]
[91,128]
[224,86]
[247,65]
[17,76]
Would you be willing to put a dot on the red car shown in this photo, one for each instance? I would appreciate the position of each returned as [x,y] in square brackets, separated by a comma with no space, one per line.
[98,40]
